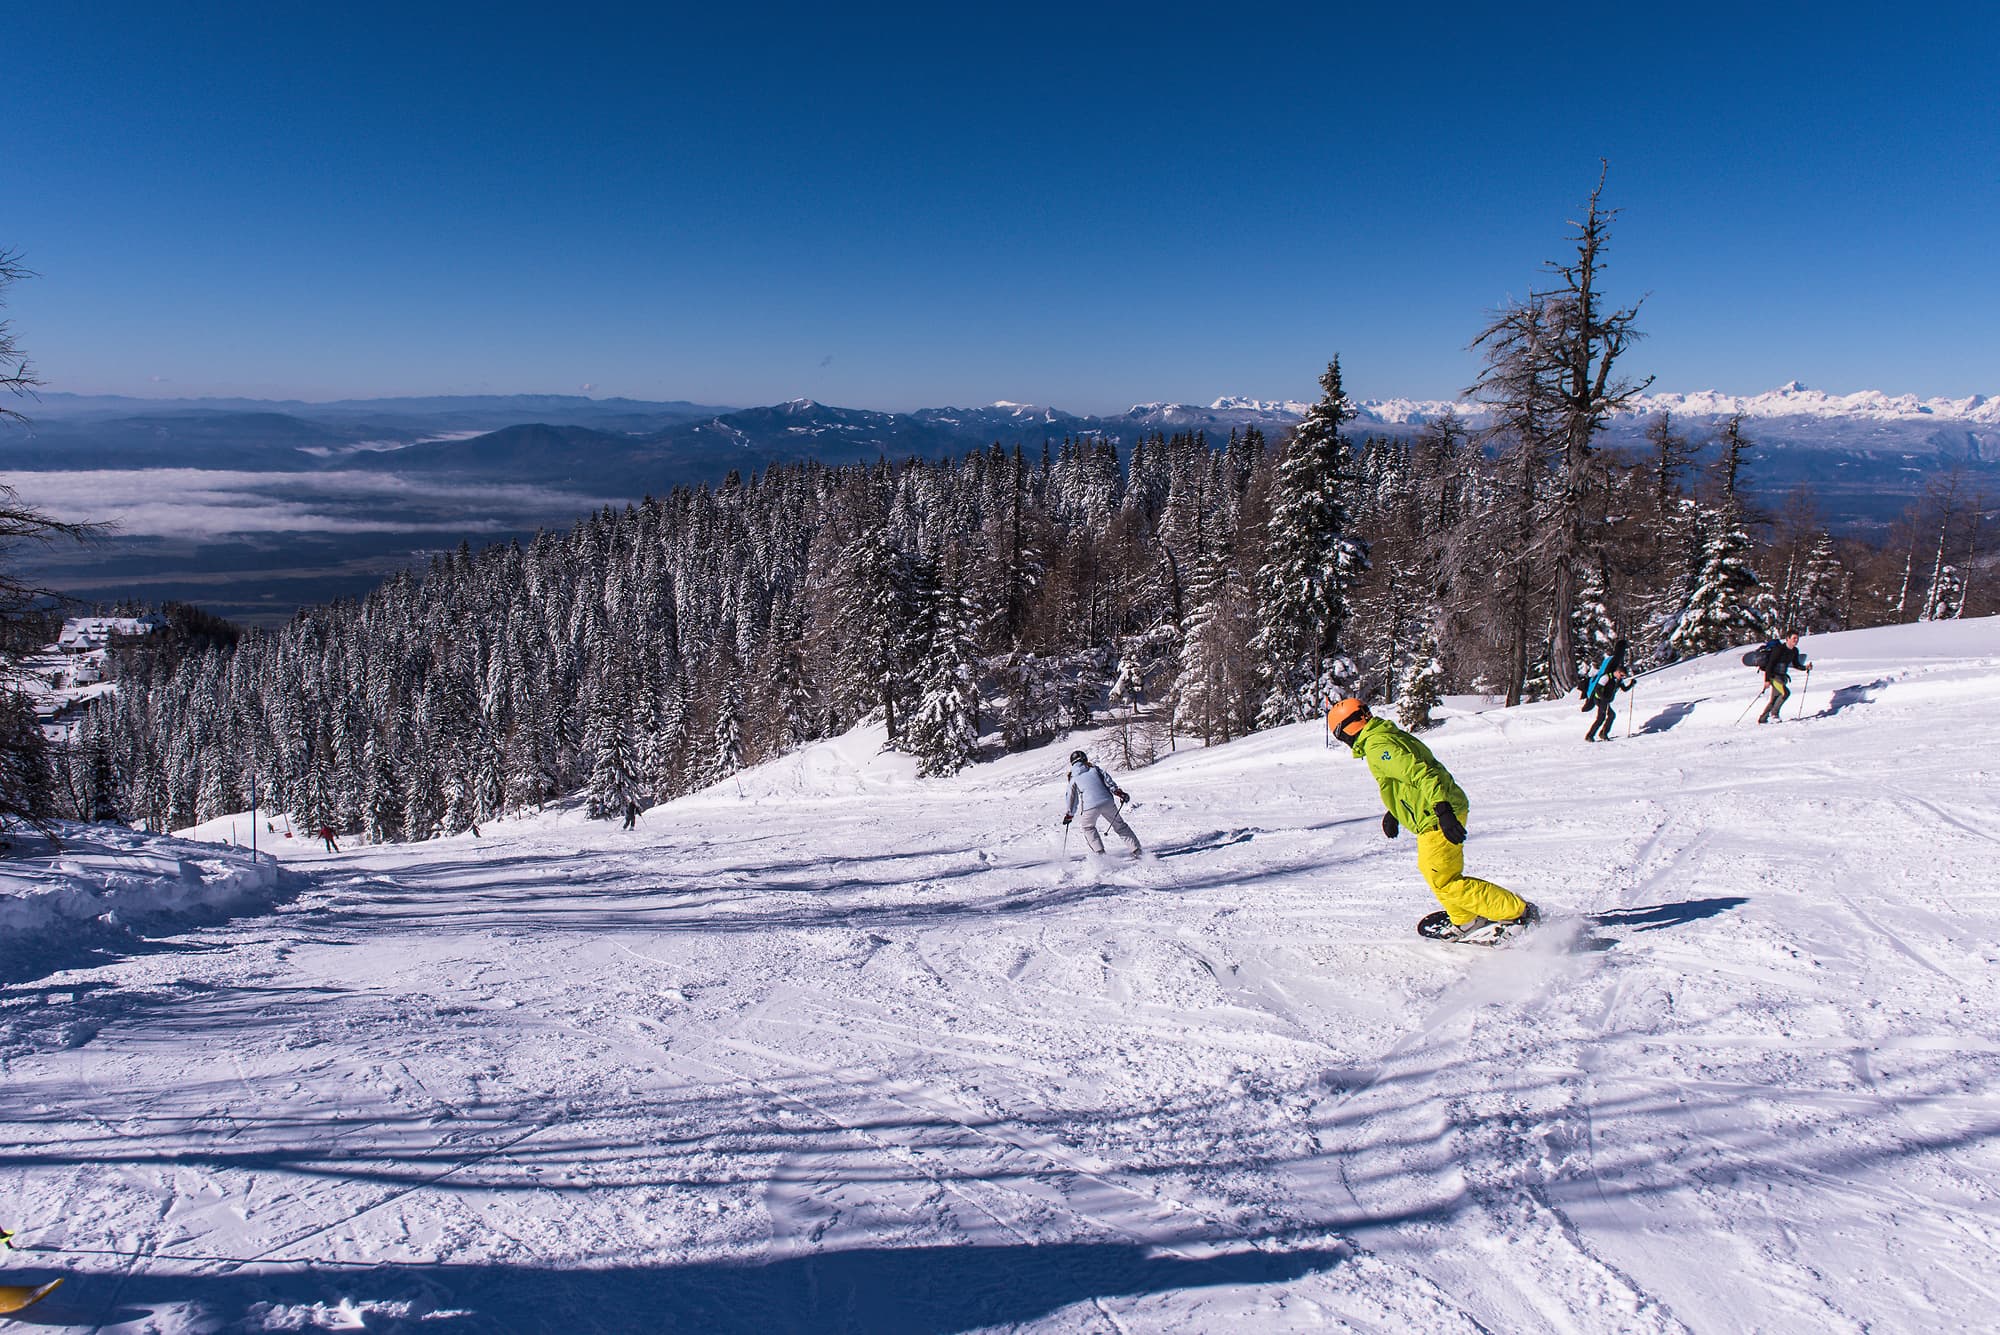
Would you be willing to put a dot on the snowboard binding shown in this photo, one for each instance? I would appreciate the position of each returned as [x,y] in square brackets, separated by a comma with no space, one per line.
[1438,926]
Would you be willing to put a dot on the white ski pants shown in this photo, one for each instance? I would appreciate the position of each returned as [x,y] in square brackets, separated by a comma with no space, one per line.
[1109,813]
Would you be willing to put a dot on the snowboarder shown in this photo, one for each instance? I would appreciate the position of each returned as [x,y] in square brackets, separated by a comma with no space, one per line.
[1094,791]
[1420,793]
[326,833]
[1777,659]
[1601,695]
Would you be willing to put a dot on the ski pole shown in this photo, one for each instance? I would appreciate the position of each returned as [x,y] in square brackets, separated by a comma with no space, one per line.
[1800,712]
[1065,843]
[1753,702]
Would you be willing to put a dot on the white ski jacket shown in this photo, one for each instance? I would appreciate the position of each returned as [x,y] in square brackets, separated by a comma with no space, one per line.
[1090,786]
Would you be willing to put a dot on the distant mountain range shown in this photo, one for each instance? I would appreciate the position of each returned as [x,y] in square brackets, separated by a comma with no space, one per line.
[253,508]
[1866,452]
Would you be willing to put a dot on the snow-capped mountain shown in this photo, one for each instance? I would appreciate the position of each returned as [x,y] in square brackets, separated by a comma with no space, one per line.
[1791,417]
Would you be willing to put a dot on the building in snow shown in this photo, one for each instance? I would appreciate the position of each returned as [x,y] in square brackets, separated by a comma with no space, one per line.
[84,669]
[82,635]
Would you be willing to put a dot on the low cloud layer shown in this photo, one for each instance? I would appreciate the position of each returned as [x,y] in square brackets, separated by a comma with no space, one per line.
[193,503]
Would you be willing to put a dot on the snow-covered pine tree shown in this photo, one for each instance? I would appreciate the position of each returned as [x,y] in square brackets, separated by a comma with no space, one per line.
[422,809]
[1823,589]
[1215,690]
[27,781]
[664,754]
[794,714]
[1946,598]
[1312,562]
[615,779]
[1031,705]
[1592,631]
[382,806]
[1421,686]
[725,753]
[1727,606]
[873,626]
[944,726]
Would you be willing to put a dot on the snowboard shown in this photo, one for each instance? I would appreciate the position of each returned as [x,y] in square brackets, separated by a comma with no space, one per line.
[1432,927]
[15,1297]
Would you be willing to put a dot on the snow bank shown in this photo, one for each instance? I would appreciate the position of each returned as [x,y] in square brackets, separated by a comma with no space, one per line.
[109,882]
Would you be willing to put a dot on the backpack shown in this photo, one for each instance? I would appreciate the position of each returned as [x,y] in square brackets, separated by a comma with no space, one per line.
[1766,658]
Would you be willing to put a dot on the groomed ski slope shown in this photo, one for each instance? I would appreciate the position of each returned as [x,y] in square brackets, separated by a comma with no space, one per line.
[834,1049]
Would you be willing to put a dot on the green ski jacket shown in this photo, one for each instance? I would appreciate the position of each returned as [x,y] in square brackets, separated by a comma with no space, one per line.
[1411,779]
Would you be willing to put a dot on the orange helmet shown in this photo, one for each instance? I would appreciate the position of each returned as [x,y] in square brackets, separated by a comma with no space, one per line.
[1346,719]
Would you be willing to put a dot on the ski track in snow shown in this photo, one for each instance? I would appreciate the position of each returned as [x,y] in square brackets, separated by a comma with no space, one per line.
[829,1049]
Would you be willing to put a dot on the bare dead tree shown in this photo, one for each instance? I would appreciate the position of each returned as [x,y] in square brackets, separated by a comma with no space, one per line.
[15,374]
[1552,358]
[1672,453]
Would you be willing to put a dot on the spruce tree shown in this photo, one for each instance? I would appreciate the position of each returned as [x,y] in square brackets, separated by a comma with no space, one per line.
[944,727]
[1823,589]
[1727,606]
[1422,681]
[1592,630]
[1214,689]
[1312,563]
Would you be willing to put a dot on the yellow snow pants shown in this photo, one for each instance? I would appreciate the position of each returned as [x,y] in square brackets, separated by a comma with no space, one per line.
[1443,864]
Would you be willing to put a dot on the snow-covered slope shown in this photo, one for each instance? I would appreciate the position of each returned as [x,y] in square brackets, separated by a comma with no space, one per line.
[837,1049]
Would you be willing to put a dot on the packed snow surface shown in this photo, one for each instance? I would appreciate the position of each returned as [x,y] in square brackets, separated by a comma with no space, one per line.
[834,1048]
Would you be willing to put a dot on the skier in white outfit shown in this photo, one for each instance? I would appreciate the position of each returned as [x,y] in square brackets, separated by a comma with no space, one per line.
[1093,791]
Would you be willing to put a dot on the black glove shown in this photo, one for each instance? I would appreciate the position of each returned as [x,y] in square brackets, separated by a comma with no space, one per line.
[1449,824]
[1586,706]
[1066,820]
[1389,827]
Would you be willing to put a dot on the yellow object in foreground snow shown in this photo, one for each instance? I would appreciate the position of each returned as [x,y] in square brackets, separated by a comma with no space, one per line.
[14,1297]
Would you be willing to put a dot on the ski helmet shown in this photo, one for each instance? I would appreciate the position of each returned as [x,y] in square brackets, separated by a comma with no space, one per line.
[1078,758]
[1346,719]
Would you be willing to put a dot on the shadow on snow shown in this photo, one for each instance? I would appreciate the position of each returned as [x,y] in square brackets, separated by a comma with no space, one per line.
[1657,916]
[885,1290]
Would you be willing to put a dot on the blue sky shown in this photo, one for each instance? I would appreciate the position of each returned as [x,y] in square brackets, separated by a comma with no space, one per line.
[896,207]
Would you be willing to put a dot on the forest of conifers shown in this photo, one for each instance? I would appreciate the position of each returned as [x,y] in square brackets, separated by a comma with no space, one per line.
[1181,592]
[1181,589]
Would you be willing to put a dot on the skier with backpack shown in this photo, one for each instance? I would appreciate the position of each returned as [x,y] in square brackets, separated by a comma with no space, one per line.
[1601,691]
[1097,796]
[1602,696]
[1420,793]
[1776,660]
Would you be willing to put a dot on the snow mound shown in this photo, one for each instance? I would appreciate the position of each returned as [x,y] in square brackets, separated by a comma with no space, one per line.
[106,882]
